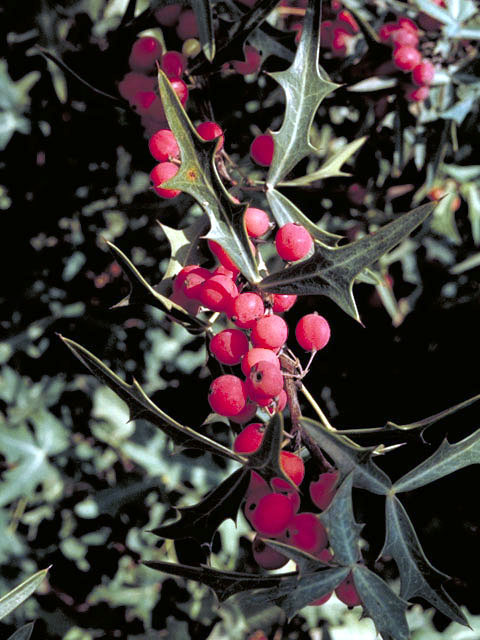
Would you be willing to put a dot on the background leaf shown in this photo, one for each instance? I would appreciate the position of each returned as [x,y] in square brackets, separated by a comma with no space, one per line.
[24,590]
[203,14]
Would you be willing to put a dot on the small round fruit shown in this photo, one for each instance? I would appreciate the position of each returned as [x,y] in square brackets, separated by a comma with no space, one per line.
[229,346]
[423,74]
[270,332]
[144,53]
[211,130]
[261,150]
[132,83]
[417,94]
[160,174]
[266,556]
[258,354]
[180,89]
[293,242]
[168,16]
[312,332]
[319,601]
[227,395]
[249,439]
[406,58]
[306,532]
[223,257]
[283,302]
[173,64]
[265,379]
[246,309]
[272,515]
[404,38]
[246,414]
[282,486]
[187,26]
[347,593]
[218,293]
[323,489]
[191,48]
[163,145]
[257,222]
[251,64]
[293,467]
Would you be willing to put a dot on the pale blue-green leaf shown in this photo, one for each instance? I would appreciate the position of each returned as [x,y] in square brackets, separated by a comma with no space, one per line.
[433,10]
[23,633]
[443,219]
[472,195]
[472,262]
[462,174]
[24,590]
[459,111]
[468,33]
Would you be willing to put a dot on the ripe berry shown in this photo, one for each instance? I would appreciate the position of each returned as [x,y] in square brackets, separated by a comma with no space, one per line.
[246,309]
[283,302]
[406,58]
[187,25]
[194,281]
[261,150]
[319,601]
[134,82]
[406,23]
[323,489]
[340,40]
[222,271]
[265,381]
[385,32]
[218,292]
[178,297]
[173,64]
[229,346]
[293,467]
[417,94]
[163,145]
[143,101]
[168,16]
[249,439]
[325,555]
[246,414]
[227,395]
[266,556]
[251,64]
[306,532]
[281,486]
[269,332]
[223,257]
[180,89]
[257,222]
[180,283]
[404,38]
[211,130]
[347,593]
[257,355]
[272,515]
[256,490]
[144,53]
[282,400]
[423,73]
[312,332]
[293,242]
[160,174]
[348,22]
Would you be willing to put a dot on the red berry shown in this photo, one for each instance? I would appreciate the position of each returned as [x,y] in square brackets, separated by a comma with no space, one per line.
[142,101]
[173,64]
[348,21]
[194,281]
[272,515]
[406,23]
[160,174]
[319,601]
[218,292]
[325,555]
[266,556]
[340,40]
[168,16]
[270,332]
[281,486]
[265,380]
[163,145]
[406,58]
[246,309]
[134,82]
[251,64]
[385,32]
[249,439]
[257,222]
[261,150]
[293,242]
[323,489]
[222,271]
[283,302]
[180,282]
[223,257]
[227,395]
[256,490]
[306,532]
[246,414]
[347,593]
[404,38]
[417,94]
[423,73]
[282,400]
[312,332]
[144,53]
[229,346]
[257,355]
[180,89]
[211,130]
[187,25]
[293,467]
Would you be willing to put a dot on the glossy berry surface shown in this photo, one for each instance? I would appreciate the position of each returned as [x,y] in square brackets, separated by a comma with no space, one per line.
[312,332]
[306,532]
[229,346]
[417,94]
[261,150]
[272,515]
[222,256]
[249,439]
[246,414]
[347,593]
[180,89]
[258,354]
[283,302]
[406,58]
[246,309]
[270,332]
[323,489]
[173,64]
[144,53]
[160,174]
[211,130]
[227,395]
[163,145]
[293,466]
[293,242]
[265,379]
[266,556]
[423,73]
[218,292]
[257,222]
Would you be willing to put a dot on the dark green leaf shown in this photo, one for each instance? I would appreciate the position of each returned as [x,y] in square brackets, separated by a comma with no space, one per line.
[198,176]
[380,603]
[305,85]
[447,459]
[201,520]
[24,590]
[203,13]
[332,271]
[304,561]
[417,576]
[141,406]
[343,532]
[349,458]
[23,633]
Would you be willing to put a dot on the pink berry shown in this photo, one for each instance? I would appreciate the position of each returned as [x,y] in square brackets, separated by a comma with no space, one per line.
[257,355]
[187,25]
[406,58]
[227,395]
[194,281]
[250,439]
[223,257]
[306,532]
[319,601]
[417,94]
[229,346]
[163,145]
[347,21]
[272,515]
[178,297]
[144,53]
[282,486]
[347,593]
[251,64]
[246,414]
[312,332]
[270,332]
[256,490]
[257,222]
[173,64]
[293,467]
[160,174]
[211,130]
[168,16]
[265,379]
[246,309]
[266,556]
[323,489]
[404,38]
[223,271]
[180,89]
[406,23]
[282,400]
[423,73]
[385,32]
[261,150]
[179,283]
[340,40]
[134,82]
[293,242]
[218,292]
[283,301]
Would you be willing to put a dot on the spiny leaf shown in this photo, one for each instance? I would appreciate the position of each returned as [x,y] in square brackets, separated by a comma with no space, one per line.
[305,85]
[24,590]
[198,176]
[343,532]
[349,458]
[305,562]
[223,583]
[447,459]
[143,293]
[332,271]
[141,406]
[203,14]
[201,520]
[381,604]
[417,576]
[285,211]
[330,168]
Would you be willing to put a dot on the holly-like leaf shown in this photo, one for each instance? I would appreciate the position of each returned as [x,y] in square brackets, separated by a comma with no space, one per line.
[203,14]
[201,520]
[472,195]
[381,604]
[418,578]
[24,633]
[349,458]
[24,590]
[331,168]
[143,293]
[305,85]
[198,176]
[305,562]
[284,211]
[223,583]
[141,406]
[343,532]
[332,271]
[447,459]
